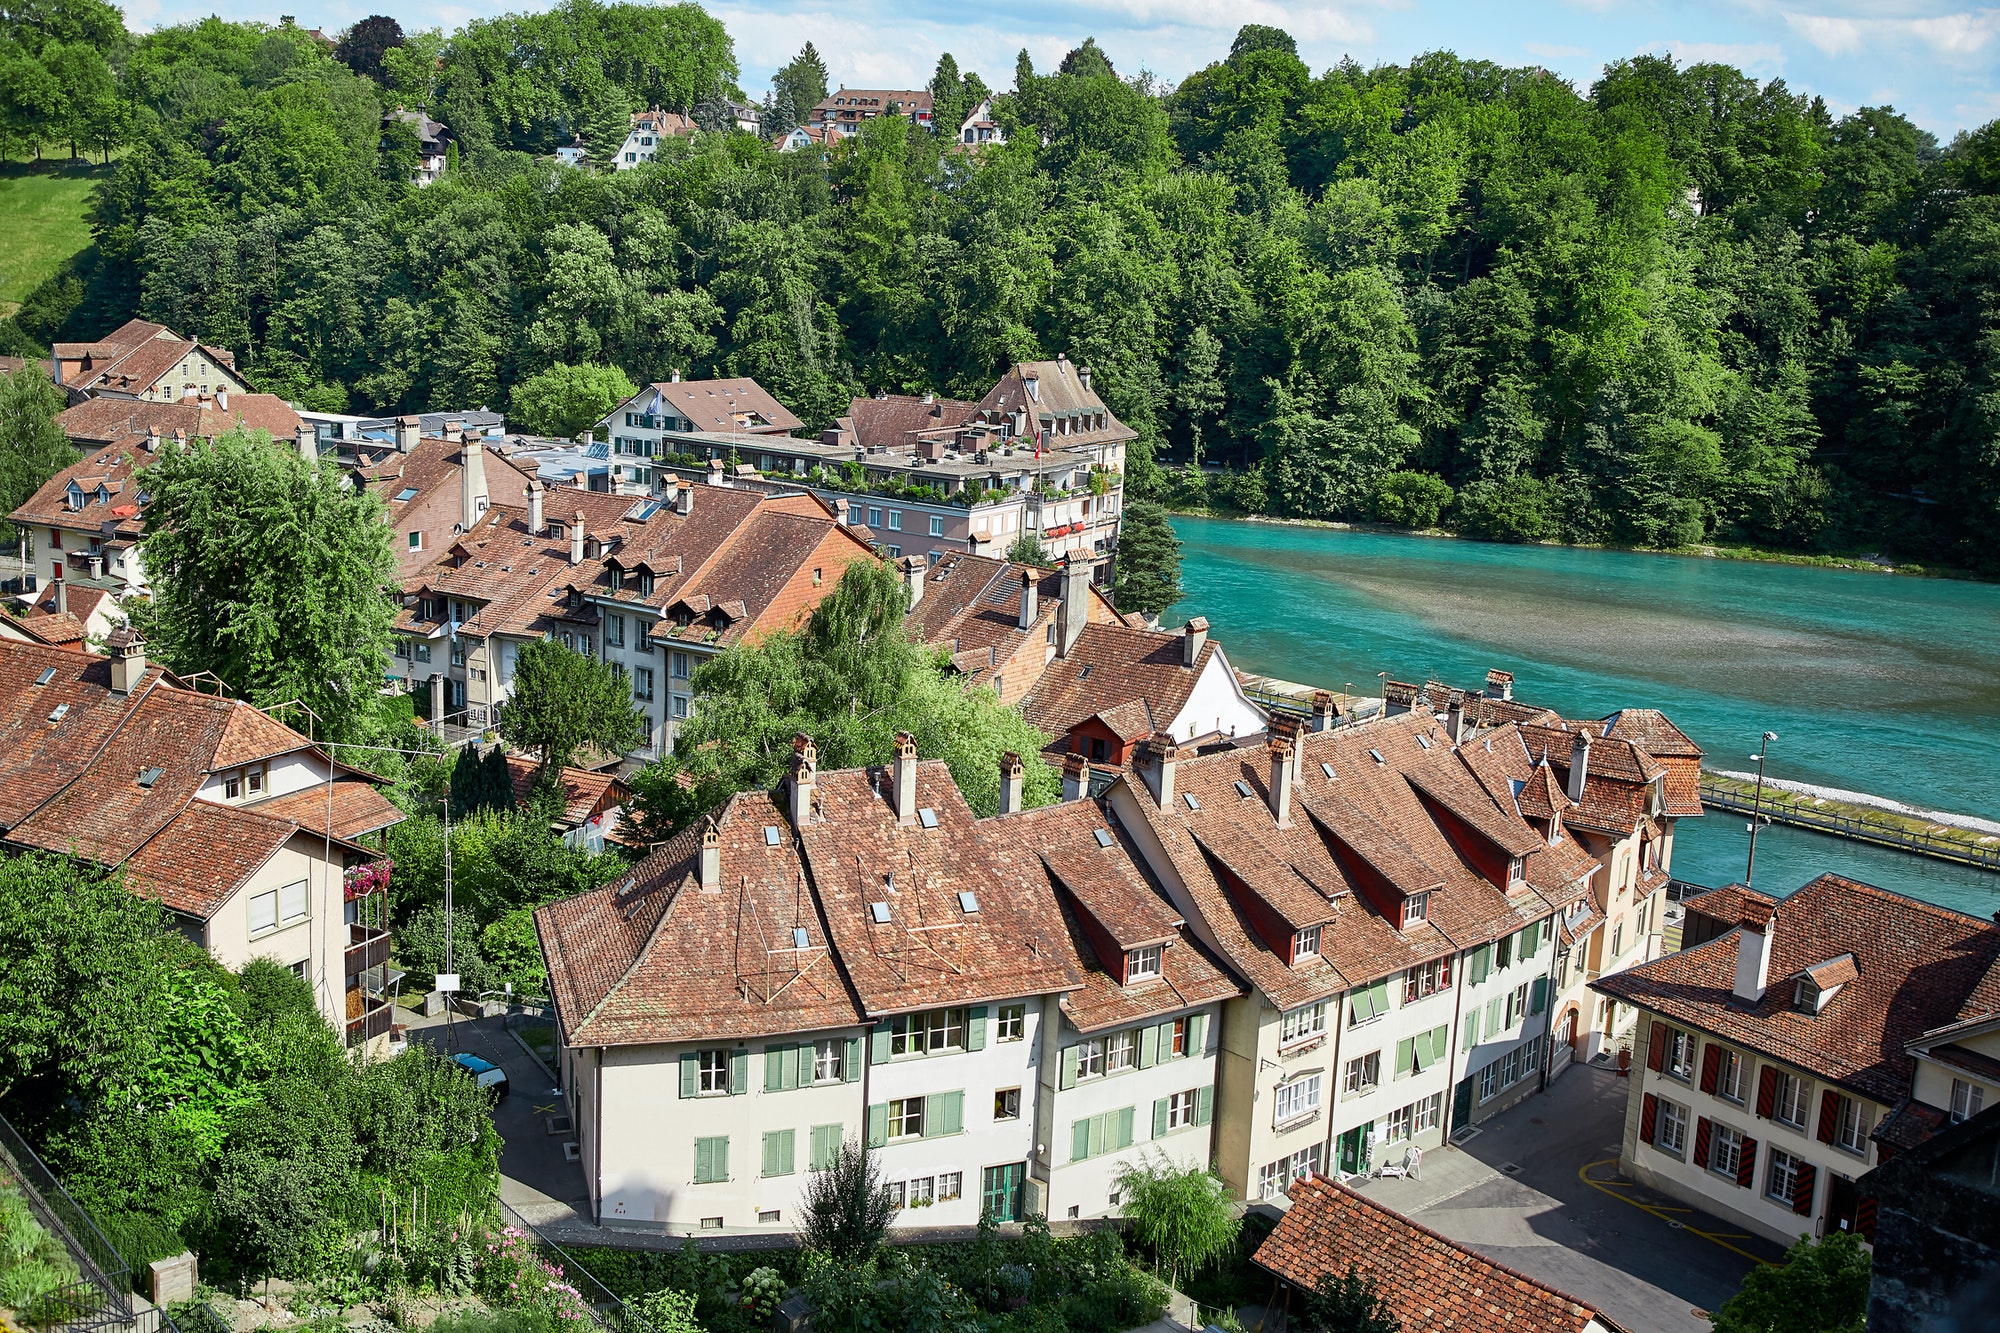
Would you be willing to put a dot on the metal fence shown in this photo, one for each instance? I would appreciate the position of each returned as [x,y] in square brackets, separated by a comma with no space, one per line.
[609,1312]
[1782,807]
[101,1296]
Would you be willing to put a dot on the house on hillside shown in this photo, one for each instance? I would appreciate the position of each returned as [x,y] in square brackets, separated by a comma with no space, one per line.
[435,488]
[637,428]
[433,143]
[980,128]
[650,129]
[145,360]
[240,827]
[593,802]
[845,110]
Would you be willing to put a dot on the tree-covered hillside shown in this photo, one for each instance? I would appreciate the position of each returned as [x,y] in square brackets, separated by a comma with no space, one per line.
[1676,305]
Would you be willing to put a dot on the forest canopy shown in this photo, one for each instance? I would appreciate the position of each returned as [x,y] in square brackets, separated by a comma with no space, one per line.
[1677,305]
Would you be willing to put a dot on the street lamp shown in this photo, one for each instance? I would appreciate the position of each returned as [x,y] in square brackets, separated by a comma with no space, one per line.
[1756,804]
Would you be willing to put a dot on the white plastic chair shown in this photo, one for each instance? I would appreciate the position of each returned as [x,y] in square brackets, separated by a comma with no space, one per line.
[1412,1165]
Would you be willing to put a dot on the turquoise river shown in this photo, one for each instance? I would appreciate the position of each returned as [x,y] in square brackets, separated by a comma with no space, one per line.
[1873,683]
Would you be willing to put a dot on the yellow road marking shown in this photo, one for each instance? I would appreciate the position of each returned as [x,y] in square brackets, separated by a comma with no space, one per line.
[550,1109]
[1660,1211]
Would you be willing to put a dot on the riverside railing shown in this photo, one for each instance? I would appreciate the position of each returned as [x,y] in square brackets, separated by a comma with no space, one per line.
[101,1296]
[1783,808]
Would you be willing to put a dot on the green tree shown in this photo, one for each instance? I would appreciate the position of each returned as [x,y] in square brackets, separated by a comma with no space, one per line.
[272,573]
[1349,1303]
[33,447]
[846,1210]
[1183,1214]
[1820,1288]
[1519,509]
[797,87]
[1149,560]
[363,46]
[1027,549]
[268,992]
[564,701]
[1412,499]
[564,401]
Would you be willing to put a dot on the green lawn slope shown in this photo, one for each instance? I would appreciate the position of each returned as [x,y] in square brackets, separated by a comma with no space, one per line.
[44,219]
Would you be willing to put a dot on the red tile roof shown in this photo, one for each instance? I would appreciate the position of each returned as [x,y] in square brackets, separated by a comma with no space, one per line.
[893,421]
[1113,665]
[1431,1284]
[727,405]
[204,854]
[1916,964]
[355,807]
[584,792]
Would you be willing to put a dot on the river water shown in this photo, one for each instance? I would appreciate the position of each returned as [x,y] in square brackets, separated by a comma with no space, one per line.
[1873,683]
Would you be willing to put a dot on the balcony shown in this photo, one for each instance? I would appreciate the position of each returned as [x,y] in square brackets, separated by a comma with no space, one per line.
[368,1023]
[367,947]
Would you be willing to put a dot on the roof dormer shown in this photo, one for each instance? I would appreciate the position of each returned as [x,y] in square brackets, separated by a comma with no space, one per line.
[1817,985]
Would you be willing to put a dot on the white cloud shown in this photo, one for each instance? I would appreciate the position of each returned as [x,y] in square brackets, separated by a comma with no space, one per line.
[1764,60]
[1948,35]
[1548,52]
[1308,22]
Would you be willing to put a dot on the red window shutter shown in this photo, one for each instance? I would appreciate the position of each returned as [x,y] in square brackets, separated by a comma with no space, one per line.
[1649,1112]
[1802,1189]
[1829,1115]
[1656,1047]
[1864,1219]
[1711,1067]
[1767,1091]
[1701,1133]
[1746,1164]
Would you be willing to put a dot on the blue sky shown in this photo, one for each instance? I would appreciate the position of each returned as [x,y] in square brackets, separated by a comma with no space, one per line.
[1935,60]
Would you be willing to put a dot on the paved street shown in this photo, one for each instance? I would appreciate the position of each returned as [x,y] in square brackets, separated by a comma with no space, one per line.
[1563,1215]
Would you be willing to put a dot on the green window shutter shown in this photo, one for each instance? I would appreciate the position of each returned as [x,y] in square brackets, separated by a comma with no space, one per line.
[933,1115]
[1540,998]
[850,1069]
[1361,1005]
[975,1028]
[1149,1046]
[944,1113]
[878,1124]
[739,1073]
[1496,1016]
[1482,963]
[1079,1140]
[779,1146]
[1067,1078]
[805,1064]
[1406,1055]
[690,1074]
[1440,1042]
[1380,992]
[954,1112]
[1160,1118]
[825,1145]
[1198,1034]
[721,1158]
[1472,1028]
[775,1060]
[1126,1115]
[1204,1104]
[704,1161]
[878,1050]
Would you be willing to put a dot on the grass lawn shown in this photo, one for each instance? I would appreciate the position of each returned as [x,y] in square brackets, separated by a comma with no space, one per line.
[43,220]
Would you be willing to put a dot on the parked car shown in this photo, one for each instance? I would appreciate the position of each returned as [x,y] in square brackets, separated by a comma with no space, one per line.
[484,1072]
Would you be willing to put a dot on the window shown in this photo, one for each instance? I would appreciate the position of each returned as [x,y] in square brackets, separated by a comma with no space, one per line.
[1671,1134]
[937,527]
[1297,1098]
[1100,1134]
[614,631]
[1430,1111]
[780,1152]
[898,1191]
[1177,1041]
[1305,943]
[1142,963]
[457,652]
[921,1034]
[1305,1021]
[1966,1099]
[874,517]
[1367,1004]
[895,520]
[416,541]
[826,1141]
[1277,1176]
[1850,1127]
[1397,1127]
[895,552]
[1618,939]
[1010,1022]
[642,683]
[1783,1178]
[232,786]
[254,779]
[1489,1082]
[711,1162]
[1422,982]
[830,1060]
[1090,1058]
[950,1185]
[1725,1151]
[1503,953]
[423,652]
[1417,1053]
[1790,1103]
[1680,1054]
[1007,1104]
[1121,1052]
[1645,918]
[1415,909]
[292,903]
[714,1072]
[1517,1005]
[1729,1075]
[906,1118]
[1180,1110]
[680,705]
[922,1191]
[263,913]
[1364,1072]
[680,666]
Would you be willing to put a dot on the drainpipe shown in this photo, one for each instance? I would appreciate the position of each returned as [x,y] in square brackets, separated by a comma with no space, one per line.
[1549,1009]
[1451,1059]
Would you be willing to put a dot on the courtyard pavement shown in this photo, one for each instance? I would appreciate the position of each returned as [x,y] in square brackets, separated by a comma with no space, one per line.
[1537,1189]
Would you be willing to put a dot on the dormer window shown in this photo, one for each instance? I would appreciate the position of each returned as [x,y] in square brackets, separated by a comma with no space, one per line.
[1417,907]
[1305,944]
[645,584]
[1142,964]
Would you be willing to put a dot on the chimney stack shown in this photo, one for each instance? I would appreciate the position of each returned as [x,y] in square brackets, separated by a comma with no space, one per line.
[840,511]
[535,492]
[471,484]
[674,378]
[1755,927]
[1076,777]
[128,658]
[903,786]
[1194,637]
[61,587]
[670,490]
[409,433]
[222,400]
[437,699]
[1280,788]
[684,500]
[1030,599]
[1158,756]
[1454,716]
[454,431]
[1075,609]
[576,540]
[152,439]
[1499,684]
[1083,377]
[1579,765]
[913,576]
[805,771]
[1324,710]
[711,858]
[1012,782]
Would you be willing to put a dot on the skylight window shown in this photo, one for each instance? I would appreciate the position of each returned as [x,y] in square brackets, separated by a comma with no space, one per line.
[1376,755]
[1424,741]
[1243,789]
[770,835]
[61,712]
[48,674]
[1328,770]
[800,940]
[927,817]
[150,776]
[879,913]
[407,493]
[1192,803]
[1103,837]
[968,902]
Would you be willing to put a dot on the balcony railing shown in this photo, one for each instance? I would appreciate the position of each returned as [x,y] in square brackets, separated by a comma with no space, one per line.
[370,1024]
[367,946]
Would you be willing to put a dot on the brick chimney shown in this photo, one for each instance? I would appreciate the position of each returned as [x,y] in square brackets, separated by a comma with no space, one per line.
[711,858]
[1579,765]
[1157,758]
[913,568]
[1280,786]
[576,540]
[840,511]
[472,497]
[1194,637]
[684,500]
[1074,612]
[1076,777]
[1500,684]
[903,784]
[128,658]
[799,784]
[409,433]
[1755,927]
[308,439]
[1324,711]
[1030,599]
[1012,782]
[535,493]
